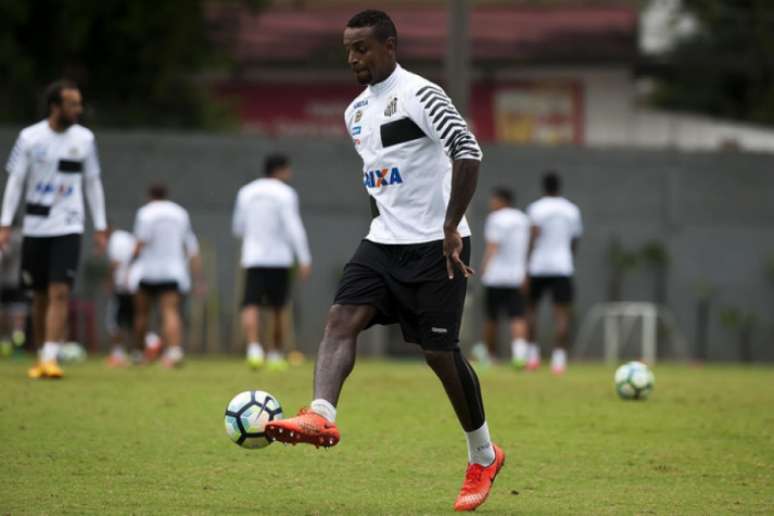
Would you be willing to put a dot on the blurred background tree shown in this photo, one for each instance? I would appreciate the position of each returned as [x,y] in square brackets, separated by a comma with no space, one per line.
[137,62]
[726,67]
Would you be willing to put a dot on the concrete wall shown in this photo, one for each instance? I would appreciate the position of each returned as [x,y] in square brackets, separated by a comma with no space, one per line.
[713,212]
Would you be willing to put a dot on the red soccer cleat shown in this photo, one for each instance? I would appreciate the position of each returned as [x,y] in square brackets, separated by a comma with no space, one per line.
[307,427]
[478,482]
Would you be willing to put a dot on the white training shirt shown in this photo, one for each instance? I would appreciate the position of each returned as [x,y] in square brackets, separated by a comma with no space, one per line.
[267,219]
[57,168]
[509,229]
[164,228]
[120,251]
[559,221]
[407,131]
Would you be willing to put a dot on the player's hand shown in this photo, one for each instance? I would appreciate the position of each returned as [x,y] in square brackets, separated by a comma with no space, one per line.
[452,247]
[525,288]
[5,236]
[304,271]
[100,242]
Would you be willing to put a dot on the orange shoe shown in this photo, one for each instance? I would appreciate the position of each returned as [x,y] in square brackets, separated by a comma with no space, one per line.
[307,427]
[478,482]
[36,372]
[53,370]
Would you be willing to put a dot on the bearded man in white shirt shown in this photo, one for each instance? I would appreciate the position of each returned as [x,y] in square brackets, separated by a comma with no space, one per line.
[57,158]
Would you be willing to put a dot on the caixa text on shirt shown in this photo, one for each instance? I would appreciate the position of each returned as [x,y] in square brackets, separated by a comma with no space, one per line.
[382,177]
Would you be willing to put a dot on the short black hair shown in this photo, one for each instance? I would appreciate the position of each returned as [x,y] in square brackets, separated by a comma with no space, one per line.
[158,191]
[552,183]
[54,91]
[504,193]
[274,162]
[381,22]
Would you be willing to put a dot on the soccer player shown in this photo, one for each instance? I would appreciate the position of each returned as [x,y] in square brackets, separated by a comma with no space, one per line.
[58,159]
[503,272]
[556,229]
[267,220]
[120,250]
[420,167]
[166,247]
[13,300]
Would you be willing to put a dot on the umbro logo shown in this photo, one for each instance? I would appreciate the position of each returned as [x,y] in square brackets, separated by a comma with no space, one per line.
[392,107]
[439,330]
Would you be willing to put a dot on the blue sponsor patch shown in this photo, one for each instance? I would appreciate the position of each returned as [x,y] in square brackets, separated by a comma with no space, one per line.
[360,104]
[356,130]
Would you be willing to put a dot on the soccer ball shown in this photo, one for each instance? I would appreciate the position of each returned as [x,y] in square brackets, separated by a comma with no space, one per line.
[633,381]
[247,415]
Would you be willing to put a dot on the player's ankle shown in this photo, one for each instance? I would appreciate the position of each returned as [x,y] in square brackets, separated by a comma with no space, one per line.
[324,408]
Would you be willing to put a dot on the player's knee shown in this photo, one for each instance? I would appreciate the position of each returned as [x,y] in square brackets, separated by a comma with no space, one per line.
[340,324]
[438,359]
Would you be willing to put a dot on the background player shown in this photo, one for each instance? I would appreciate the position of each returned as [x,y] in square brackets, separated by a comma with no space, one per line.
[58,159]
[556,229]
[14,304]
[503,272]
[412,267]
[166,245]
[120,312]
[267,219]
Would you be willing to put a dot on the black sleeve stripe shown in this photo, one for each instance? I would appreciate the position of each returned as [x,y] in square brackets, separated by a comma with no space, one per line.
[465,149]
[429,88]
[448,120]
[444,115]
[442,105]
[436,102]
[432,96]
[448,129]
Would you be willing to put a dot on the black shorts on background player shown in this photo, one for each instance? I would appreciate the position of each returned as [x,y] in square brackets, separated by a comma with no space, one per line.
[266,286]
[503,300]
[47,260]
[155,288]
[561,288]
[408,284]
[122,311]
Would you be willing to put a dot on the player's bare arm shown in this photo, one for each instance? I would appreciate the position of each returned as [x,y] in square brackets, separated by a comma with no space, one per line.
[464,180]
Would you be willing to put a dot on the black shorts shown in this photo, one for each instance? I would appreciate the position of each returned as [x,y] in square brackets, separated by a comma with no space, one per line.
[121,311]
[408,284]
[12,296]
[266,286]
[47,260]
[561,288]
[155,288]
[503,300]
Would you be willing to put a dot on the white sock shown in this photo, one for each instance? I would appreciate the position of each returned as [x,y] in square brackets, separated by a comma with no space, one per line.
[519,350]
[533,353]
[480,450]
[324,408]
[559,358]
[49,352]
[254,350]
[118,351]
[274,356]
[175,353]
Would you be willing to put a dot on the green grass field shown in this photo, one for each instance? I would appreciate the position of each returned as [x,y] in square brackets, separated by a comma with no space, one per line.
[151,441]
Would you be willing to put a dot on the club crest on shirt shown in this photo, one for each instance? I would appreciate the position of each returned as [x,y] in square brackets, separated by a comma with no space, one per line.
[392,107]
[358,116]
